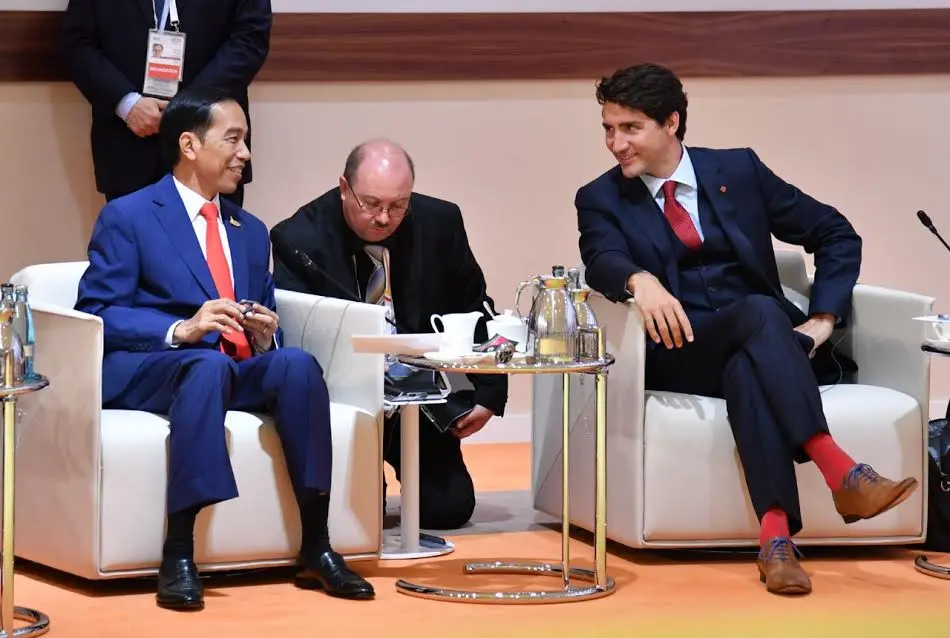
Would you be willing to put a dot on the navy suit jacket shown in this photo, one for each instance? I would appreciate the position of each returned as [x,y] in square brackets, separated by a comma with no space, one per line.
[104,45]
[623,232]
[146,271]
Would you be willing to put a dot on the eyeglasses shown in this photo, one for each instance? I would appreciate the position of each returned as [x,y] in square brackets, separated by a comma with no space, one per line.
[373,210]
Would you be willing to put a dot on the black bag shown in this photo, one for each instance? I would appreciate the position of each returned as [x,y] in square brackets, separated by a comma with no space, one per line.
[402,383]
[938,502]
[444,416]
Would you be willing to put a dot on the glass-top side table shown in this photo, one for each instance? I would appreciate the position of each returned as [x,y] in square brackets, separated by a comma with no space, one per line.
[600,583]
[38,622]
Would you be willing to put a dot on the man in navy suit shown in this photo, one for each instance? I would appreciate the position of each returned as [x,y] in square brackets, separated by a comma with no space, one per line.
[105,43]
[170,267]
[687,233]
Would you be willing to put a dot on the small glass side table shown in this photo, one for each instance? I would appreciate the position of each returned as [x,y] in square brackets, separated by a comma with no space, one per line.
[600,583]
[38,622]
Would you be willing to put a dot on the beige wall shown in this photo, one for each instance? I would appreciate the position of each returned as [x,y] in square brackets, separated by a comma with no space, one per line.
[478,6]
[513,154]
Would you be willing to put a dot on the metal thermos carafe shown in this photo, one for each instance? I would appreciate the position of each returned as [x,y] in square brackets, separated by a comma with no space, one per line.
[552,321]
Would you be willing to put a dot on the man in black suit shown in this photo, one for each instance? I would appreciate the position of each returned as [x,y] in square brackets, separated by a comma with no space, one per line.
[105,44]
[349,233]
[688,234]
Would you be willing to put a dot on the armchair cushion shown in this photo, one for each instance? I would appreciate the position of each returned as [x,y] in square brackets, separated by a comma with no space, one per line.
[693,481]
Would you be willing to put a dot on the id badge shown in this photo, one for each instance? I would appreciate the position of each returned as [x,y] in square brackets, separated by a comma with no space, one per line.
[164,63]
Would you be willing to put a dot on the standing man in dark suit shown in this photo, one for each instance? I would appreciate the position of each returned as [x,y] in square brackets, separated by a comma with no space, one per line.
[165,275]
[125,58]
[373,228]
[687,233]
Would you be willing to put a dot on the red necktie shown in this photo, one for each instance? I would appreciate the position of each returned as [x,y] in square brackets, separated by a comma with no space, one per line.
[679,219]
[234,344]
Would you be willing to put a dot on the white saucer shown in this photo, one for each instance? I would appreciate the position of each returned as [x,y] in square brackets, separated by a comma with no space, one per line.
[939,344]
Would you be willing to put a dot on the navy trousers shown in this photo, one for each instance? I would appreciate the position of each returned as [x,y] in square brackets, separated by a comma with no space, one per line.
[749,354]
[196,387]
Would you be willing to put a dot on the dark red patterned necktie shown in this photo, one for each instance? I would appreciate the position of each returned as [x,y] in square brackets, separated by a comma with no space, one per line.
[679,219]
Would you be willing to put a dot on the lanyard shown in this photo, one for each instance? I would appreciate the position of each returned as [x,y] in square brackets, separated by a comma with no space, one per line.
[169,14]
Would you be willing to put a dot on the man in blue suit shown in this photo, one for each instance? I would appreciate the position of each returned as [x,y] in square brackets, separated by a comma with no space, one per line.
[170,269]
[687,233]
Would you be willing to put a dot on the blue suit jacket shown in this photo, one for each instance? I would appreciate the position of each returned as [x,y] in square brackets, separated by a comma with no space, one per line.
[623,232]
[146,271]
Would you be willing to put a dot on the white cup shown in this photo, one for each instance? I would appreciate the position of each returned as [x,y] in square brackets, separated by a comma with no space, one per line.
[458,331]
[941,330]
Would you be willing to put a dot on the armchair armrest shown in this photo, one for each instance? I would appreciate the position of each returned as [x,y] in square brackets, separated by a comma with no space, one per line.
[885,342]
[323,326]
[58,454]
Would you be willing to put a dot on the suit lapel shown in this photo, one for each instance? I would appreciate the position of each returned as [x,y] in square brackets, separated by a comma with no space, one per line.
[648,220]
[173,217]
[237,242]
[708,175]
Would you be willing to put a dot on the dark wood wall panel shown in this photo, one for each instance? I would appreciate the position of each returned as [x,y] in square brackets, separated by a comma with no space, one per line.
[403,47]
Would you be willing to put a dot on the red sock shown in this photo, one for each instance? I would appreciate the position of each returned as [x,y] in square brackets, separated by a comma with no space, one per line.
[833,462]
[774,525]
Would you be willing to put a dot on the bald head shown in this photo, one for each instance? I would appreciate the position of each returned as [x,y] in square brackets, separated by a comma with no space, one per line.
[378,159]
[375,188]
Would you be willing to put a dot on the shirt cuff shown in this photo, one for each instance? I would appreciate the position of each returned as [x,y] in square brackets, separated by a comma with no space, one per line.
[259,350]
[126,104]
[169,336]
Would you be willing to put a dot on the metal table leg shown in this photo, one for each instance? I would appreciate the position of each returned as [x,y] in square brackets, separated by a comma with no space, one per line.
[408,542]
[37,622]
[600,583]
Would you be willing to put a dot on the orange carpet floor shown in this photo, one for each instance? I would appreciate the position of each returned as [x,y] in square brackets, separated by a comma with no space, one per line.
[862,593]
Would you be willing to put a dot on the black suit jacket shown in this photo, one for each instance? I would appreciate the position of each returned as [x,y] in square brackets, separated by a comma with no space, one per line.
[434,270]
[623,232]
[104,45]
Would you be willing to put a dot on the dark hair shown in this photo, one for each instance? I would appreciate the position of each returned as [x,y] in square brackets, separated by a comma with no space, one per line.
[356,156]
[188,112]
[649,88]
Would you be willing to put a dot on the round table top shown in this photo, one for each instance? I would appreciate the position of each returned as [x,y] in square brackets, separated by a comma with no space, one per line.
[37,382]
[518,365]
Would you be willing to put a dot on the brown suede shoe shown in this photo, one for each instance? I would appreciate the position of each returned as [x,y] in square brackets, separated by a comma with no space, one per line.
[780,570]
[864,493]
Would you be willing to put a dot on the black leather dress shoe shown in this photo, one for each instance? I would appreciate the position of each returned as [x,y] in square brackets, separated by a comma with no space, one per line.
[330,573]
[179,586]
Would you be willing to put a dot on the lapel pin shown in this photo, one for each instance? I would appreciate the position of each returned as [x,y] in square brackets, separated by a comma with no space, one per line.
[234,222]
[722,189]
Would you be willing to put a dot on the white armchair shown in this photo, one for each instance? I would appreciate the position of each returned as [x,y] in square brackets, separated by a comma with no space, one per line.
[674,478]
[90,483]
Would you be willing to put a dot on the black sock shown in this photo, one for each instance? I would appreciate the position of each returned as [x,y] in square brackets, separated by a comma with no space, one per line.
[314,517]
[180,536]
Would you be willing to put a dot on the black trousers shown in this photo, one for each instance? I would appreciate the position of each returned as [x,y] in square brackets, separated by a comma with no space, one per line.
[237,197]
[446,491]
[749,354]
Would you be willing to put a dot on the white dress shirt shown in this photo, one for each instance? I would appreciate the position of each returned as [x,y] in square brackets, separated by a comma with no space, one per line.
[687,189]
